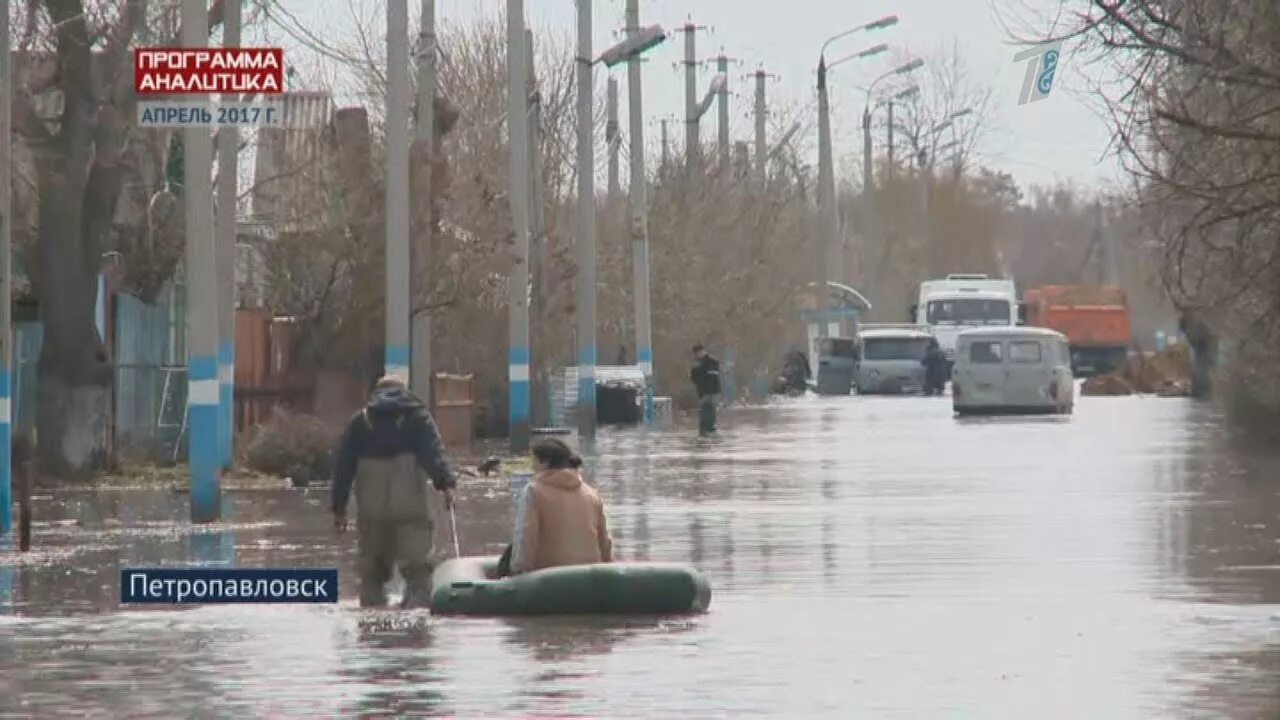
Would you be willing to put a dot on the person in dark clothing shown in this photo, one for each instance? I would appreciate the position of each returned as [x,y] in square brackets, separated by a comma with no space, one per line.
[382,456]
[706,379]
[935,369]
[796,372]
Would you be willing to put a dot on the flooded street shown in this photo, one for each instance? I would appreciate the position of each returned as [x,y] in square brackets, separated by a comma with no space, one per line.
[869,557]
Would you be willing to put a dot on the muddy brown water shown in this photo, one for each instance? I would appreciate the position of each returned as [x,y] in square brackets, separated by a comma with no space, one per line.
[870,558]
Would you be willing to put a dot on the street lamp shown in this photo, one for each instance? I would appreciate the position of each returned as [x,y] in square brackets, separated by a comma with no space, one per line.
[903,94]
[884,22]
[634,46]
[869,52]
[826,172]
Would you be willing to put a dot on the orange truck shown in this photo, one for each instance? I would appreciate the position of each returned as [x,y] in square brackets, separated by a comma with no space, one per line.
[1095,319]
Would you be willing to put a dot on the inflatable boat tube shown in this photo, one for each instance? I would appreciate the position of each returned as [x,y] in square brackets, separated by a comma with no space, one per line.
[465,586]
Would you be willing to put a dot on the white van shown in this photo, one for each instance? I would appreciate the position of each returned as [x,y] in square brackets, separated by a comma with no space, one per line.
[958,301]
[1012,370]
[890,358]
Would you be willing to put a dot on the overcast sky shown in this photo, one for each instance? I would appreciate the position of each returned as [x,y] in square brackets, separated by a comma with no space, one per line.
[1062,137]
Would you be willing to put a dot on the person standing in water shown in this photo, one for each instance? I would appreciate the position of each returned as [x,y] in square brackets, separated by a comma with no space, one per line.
[706,379]
[935,369]
[383,455]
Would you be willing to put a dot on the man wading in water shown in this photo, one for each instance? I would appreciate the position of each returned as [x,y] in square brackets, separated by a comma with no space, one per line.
[384,452]
[706,379]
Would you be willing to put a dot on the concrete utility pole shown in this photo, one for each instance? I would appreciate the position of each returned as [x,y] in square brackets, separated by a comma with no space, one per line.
[518,392]
[6,286]
[871,231]
[830,257]
[612,137]
[828,222]
[225,227]
[926,182]
[586,244]
[202,298]
[539,252]
[761,115]
[1110,268]
[666,143]
[424,137]
[639,214]
[398,255]
[889,140]
[722,121]
[692,142]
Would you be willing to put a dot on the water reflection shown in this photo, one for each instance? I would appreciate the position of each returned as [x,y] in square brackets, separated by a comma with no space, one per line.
[696,541]
[1120,564]
[560,639]
[7,573]
[216,548]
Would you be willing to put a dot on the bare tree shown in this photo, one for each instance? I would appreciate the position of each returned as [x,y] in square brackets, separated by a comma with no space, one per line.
[1196,124]
[73,108]
[946,87]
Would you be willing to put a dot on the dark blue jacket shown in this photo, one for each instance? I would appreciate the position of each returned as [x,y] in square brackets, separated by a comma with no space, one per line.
[706,376]
[392,423]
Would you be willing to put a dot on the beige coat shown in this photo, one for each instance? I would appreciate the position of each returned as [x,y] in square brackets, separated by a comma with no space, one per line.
[564,523]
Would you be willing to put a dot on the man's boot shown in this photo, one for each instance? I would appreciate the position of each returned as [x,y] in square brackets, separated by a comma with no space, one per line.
[373,592]
[417,586]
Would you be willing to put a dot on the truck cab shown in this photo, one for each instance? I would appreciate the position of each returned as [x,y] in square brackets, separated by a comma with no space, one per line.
[958,302]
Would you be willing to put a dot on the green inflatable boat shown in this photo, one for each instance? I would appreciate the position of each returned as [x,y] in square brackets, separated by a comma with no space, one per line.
[466,586]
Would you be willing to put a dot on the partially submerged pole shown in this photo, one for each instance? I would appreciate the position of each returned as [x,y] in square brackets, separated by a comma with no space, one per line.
[6,286]
[828,256]
[225,228]
[397,255]
[23,456]
[424,227]
[518,392]
[639,216]
[202,298]
[586,244]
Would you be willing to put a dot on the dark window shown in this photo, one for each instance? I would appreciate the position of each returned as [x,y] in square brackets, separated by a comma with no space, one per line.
[968,311]
[894,348]
[1027,351]
[986,353]
[840,347]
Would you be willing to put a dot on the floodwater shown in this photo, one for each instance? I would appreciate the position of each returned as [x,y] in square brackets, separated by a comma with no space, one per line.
[870,558]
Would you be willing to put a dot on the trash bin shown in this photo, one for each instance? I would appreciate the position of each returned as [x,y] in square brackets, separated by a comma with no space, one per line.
[619,404]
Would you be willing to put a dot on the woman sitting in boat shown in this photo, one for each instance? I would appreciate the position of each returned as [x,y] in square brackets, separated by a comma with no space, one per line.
[564,522]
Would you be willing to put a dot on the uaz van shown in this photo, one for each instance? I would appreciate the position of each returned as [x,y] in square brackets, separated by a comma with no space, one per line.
[890,359]
[1012,370]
